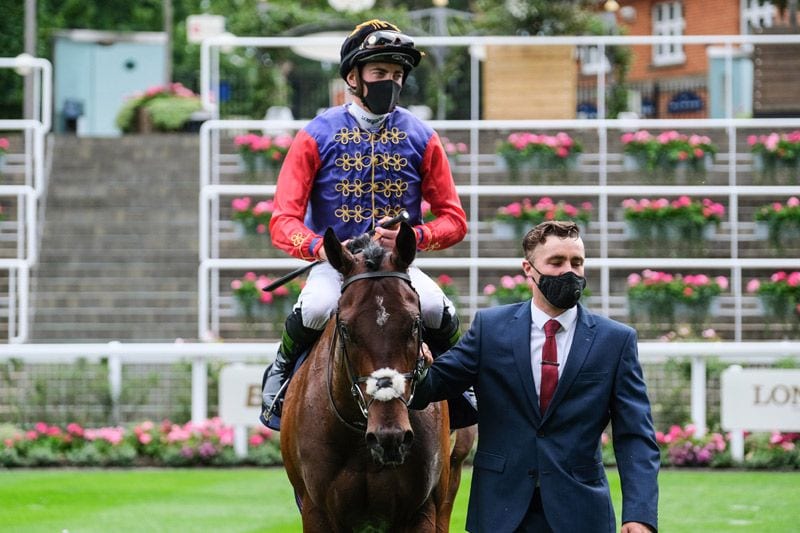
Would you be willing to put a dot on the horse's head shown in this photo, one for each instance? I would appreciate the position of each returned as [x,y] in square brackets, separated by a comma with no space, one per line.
[378,328]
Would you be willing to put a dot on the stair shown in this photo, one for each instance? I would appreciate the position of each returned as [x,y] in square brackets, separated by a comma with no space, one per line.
[119,254]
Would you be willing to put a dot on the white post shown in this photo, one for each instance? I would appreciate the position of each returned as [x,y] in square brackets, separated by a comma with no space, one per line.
[115,383]
[240,440]
[199,391]
[699,395]
[737,445]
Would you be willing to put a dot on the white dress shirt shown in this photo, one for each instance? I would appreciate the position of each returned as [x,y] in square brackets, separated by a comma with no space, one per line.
[568,321]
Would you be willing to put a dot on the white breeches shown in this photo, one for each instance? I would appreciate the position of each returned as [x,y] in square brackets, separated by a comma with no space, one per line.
[320,297]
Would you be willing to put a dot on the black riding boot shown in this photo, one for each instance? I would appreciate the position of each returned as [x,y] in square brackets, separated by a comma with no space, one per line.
[295,340]
[464,408]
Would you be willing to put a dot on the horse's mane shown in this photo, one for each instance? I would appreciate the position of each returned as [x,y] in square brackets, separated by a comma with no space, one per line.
[373,252]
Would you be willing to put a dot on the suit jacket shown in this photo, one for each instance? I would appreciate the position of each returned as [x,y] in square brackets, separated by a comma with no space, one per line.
[518,446]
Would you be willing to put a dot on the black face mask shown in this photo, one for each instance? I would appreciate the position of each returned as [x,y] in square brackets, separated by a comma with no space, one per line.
[564,291]
[382,96]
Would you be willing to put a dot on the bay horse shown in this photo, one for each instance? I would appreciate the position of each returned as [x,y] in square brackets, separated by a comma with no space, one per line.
[357,457]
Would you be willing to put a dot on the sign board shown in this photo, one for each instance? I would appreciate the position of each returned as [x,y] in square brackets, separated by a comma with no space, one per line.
[685,102]
[198,27]
[761,399]
[240,394]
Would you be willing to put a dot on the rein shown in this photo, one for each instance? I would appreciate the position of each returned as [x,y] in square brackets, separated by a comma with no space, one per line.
[374,381]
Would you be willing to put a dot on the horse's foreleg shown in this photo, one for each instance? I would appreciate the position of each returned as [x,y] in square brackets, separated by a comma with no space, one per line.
[426,519]
[314,520]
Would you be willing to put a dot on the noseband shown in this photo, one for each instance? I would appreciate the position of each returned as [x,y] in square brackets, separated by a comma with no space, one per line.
[382,382]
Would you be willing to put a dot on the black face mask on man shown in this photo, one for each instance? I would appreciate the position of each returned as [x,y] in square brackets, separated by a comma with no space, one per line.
[382,96]
[563,291]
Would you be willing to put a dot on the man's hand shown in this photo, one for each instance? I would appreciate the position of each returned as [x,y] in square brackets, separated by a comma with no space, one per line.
[635,527]
[427,355]
[386,236]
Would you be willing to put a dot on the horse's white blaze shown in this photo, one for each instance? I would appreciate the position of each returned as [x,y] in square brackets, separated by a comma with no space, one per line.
[383,316]
[396,389]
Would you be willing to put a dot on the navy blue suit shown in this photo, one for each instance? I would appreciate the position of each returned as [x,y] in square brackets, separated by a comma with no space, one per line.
[518,447]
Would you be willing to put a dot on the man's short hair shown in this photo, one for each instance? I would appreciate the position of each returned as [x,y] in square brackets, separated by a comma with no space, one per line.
[562,229]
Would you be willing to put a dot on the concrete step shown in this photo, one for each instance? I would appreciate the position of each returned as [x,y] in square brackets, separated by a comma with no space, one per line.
[113,315]
[119,247]
[123,296]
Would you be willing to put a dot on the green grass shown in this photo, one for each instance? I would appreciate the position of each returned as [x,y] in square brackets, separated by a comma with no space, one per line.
[254,500]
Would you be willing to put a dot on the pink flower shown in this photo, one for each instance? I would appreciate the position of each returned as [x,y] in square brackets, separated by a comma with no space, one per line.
[241,204]
[145,438]
[753,285]
[266,297]
[489,289]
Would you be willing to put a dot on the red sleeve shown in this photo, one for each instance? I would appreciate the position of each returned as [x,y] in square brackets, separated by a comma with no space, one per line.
[286,227]
[438,188]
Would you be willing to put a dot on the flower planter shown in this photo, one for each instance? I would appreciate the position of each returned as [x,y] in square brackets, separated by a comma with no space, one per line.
[697,314]
[255,166]
[781,236]
[773,169]
[634,163]
[777,308]
[507,230]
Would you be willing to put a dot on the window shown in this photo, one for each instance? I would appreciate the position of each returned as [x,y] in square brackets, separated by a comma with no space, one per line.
[591,61]
[756,15]
[668,21]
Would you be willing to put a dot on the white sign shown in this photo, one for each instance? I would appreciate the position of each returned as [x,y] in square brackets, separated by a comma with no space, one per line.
[198,27]
[761,399]
[240,394]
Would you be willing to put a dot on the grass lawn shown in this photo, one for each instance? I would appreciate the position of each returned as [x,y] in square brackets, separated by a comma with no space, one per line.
[253,500]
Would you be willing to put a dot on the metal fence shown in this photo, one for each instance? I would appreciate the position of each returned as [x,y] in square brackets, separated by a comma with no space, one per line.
[21,192]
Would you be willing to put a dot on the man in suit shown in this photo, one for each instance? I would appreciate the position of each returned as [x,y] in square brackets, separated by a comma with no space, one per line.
[544,399]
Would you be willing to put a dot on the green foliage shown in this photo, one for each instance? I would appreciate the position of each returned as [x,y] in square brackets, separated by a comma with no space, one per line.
[171,114]
[168,107]
[782,220]
[533,17]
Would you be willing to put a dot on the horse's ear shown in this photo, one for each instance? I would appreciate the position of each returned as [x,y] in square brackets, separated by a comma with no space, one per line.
[405,247]
[338,256]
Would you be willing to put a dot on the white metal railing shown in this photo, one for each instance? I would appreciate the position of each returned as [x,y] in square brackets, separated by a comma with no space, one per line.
[199,354]
[32,164]
[211,190]
[42,72]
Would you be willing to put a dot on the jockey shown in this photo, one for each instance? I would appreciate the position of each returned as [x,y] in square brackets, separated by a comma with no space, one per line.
[351,168]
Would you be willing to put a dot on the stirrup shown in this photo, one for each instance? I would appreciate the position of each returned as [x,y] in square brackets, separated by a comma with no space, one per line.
[276,407]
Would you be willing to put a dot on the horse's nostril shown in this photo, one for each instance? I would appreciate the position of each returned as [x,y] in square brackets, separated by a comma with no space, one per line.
[372,439]
[408,438]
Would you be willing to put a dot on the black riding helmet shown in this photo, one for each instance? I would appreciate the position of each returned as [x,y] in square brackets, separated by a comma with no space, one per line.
[378,40]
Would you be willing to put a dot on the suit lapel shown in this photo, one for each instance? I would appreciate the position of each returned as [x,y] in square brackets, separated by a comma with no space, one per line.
[521,345]
[581,343]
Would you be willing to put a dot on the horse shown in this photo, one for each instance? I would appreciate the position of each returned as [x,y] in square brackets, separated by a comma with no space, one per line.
[357,457]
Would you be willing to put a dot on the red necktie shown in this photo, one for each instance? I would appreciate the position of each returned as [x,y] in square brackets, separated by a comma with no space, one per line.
[549,364]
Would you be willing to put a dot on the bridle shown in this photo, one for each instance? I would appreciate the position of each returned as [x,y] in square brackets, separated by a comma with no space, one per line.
[375,380]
